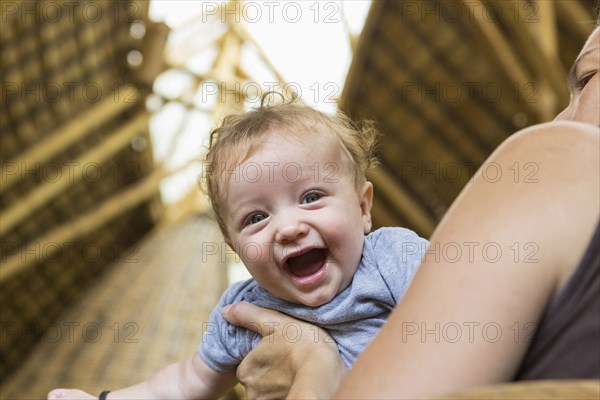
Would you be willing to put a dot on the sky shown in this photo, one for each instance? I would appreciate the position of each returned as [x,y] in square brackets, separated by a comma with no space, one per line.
[306,41]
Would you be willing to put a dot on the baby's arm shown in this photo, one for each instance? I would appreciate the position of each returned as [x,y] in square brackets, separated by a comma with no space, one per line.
[188,379]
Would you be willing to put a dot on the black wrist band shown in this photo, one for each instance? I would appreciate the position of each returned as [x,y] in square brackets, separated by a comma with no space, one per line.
[103,395]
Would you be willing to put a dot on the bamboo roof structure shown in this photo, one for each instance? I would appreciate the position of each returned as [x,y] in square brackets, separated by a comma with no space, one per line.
[80,191]
[146,312]
[80,204]
[447,82]
[77,166]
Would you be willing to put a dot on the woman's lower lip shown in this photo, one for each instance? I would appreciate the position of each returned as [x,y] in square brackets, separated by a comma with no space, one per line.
[311,279]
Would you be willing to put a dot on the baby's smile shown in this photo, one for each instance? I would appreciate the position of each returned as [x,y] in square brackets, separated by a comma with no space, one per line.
[300,237]
[307,267]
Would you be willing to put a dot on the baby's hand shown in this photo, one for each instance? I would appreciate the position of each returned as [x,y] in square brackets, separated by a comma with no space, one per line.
[69,394]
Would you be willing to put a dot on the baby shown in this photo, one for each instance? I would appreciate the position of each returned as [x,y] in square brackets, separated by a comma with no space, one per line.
[288,187]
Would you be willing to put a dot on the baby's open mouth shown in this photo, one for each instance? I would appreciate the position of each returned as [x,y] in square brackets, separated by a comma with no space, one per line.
[306,264]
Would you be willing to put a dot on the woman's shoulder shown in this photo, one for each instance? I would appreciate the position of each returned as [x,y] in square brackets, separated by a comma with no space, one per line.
[540,188]
[548,132]
[552,141]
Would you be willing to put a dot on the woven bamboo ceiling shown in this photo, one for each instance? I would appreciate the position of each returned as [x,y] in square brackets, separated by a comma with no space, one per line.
[77,187]
[446,82]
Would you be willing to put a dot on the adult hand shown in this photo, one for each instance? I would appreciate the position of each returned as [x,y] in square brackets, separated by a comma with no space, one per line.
[294,359]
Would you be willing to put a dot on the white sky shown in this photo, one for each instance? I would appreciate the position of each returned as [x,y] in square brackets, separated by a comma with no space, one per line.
[306,41]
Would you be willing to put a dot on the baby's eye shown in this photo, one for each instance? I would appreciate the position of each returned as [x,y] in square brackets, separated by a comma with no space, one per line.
[311,197]
[255,218]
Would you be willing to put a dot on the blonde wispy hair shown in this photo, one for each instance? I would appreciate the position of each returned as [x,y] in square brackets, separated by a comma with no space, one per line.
[239,135]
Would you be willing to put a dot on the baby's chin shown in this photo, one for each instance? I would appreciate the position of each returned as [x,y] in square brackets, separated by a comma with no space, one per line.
[318,302]
[318,298]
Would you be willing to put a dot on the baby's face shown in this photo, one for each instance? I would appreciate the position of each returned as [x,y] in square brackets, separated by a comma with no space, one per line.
[295,218]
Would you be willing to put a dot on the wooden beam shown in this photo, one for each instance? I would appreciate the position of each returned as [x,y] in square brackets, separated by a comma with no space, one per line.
[499,49]
[115,103]
[546,33]
[394,191]
[228,59]
[359,58]
[245,36]
[90,221]
[225,67]
[192,203]
[381,214]
[152,49]
[575,14]
[72,173]
[84,224]
[352,39]
[543,65]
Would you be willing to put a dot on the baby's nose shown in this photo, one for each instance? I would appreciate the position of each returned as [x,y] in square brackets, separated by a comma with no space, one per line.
[291,232]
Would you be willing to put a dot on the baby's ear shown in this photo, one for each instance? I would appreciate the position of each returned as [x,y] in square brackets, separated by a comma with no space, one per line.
[366,202]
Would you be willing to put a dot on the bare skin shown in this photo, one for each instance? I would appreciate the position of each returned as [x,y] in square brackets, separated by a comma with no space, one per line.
[565,200]
[188,379]
[469,292]
[315,349]
[553,214]
[282,216]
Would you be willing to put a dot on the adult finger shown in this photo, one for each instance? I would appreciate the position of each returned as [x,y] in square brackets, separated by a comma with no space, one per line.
[260,320]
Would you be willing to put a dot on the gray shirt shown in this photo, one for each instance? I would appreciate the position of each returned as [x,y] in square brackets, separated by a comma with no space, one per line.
[389,260]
